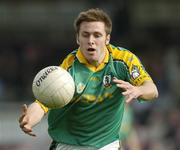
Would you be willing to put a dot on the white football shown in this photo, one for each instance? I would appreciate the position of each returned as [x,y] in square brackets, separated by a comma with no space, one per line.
[53,86]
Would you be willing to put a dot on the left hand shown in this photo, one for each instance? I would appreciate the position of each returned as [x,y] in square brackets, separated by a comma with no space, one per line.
[24,121]
[130,92]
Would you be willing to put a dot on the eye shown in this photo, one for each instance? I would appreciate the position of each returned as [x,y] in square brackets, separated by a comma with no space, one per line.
[84,34]
[97,35]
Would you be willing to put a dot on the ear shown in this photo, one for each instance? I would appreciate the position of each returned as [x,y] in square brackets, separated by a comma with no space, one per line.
[77,39]
[108,39]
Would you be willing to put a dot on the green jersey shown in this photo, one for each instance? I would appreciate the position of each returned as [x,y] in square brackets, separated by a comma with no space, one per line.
[94,116]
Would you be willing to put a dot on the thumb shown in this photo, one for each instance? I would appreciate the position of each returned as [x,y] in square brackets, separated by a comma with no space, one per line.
[24,108]
[23,113]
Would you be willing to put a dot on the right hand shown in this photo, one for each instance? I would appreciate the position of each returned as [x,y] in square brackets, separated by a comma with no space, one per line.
[24,122]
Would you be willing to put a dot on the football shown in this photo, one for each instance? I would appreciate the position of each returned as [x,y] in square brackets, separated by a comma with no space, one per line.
[53,86]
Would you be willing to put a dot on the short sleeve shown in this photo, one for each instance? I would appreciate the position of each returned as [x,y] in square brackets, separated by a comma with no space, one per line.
[137,71]
[42,106]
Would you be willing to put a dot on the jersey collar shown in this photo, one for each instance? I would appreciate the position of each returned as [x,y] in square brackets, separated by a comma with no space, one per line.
[83,60]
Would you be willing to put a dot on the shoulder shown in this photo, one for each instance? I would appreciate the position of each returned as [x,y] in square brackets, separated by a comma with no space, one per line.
[71,56]
[69,59]
[120,53]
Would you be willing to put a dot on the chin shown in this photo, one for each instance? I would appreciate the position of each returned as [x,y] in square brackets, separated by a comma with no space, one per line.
[92,61]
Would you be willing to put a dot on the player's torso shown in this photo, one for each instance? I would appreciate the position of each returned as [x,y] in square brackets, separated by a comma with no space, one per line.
[95,114]
[96,110]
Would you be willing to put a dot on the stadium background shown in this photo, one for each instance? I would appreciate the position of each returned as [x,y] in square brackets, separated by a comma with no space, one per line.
[35,34]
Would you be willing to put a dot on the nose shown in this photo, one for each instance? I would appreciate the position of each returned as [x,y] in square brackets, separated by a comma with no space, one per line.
[91,40]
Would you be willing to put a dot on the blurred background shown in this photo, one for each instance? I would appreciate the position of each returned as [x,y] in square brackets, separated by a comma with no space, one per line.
[38,33]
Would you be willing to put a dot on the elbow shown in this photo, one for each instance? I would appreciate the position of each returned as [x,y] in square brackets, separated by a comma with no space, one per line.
[155,94]
[150,92]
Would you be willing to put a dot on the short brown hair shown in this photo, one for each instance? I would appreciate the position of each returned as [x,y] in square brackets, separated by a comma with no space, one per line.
[94,14]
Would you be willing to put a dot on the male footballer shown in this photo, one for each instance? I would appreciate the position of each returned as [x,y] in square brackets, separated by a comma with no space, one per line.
[106,77]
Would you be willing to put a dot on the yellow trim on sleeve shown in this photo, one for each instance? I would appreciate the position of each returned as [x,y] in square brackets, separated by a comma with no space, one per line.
[42,106]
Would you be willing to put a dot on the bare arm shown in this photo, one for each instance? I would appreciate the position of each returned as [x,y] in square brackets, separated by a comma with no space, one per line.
[30,116]
[146,91]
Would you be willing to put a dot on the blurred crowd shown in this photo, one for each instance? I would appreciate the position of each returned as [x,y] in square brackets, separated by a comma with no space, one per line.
[157,123]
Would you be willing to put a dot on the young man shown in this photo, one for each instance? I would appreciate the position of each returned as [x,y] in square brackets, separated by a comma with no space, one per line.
[106,77]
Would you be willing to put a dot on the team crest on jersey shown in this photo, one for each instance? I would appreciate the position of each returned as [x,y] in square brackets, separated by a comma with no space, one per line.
[80,87]
[135,72]
[107,80]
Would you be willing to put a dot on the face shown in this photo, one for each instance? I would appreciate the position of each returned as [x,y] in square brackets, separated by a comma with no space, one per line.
[92,39]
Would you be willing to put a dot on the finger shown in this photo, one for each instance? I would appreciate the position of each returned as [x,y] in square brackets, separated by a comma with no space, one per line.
[21,118]
[31,134]
[24,111]
[129,99]
[128,92]
[28,131]
[24,108]
[22,124]
[115,80]
[123,86]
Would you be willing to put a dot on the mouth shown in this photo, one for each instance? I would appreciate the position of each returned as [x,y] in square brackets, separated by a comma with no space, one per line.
[90,49]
